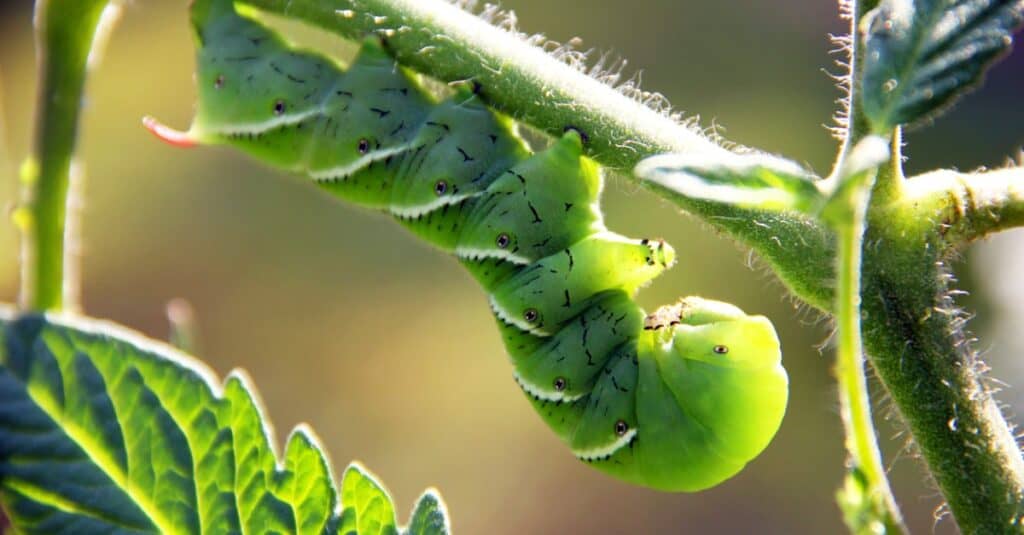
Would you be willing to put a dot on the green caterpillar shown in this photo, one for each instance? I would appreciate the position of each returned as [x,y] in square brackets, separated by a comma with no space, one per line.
[680,400]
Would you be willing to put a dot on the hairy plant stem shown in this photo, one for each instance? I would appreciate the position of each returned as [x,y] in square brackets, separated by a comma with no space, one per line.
[913,337]
[65,33]
[965,207]
[915,333]
[867,500]
[440,39]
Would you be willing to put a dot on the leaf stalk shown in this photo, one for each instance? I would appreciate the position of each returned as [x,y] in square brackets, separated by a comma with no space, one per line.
[66,31]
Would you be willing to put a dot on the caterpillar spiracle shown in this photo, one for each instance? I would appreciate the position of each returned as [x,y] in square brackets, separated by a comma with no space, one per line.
[679,400]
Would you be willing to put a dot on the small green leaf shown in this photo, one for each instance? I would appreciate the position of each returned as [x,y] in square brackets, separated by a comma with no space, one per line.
[752,181]
[368,508]
[429,517]
[920,55]
[867,154]
[846,190]
[104,431]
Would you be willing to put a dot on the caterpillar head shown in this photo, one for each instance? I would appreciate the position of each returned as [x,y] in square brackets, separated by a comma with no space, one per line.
[698,396]
[717,333]
[712,394]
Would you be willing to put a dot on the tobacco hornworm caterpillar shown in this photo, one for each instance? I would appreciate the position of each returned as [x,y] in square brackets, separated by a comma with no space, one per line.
[679,400]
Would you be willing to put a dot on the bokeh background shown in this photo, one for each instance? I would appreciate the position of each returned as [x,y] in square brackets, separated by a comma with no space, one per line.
[385,346]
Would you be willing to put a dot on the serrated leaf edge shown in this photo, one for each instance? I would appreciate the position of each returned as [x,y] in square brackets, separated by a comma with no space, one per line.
[162,350]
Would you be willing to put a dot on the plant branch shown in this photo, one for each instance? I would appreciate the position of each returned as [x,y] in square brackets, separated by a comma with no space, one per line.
[960,208]
[442,40]
[915,336]
[872,501]
[66,31]
[866,498]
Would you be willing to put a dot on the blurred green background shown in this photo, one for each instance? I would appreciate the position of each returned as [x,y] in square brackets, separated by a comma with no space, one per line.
[386,347]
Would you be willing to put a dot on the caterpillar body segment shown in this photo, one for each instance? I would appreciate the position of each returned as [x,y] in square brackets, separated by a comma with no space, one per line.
[679,400]
[567,365]
[608,421]
[543,295]
[485,148]
[540,206]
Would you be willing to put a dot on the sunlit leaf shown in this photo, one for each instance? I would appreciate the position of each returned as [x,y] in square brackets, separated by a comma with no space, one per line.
[104,431]
[846,190]
[368,508]
[429,517]
[754,181]
[867,154]
[920,55]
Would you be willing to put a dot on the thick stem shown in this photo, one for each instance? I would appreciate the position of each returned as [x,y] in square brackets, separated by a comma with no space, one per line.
[65,33]
[443,41]
[915,336]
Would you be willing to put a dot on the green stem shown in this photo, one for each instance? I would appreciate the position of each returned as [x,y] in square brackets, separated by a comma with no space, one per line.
[876,504]
[65,32]
[960,208]
[441,40]
[915,336]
